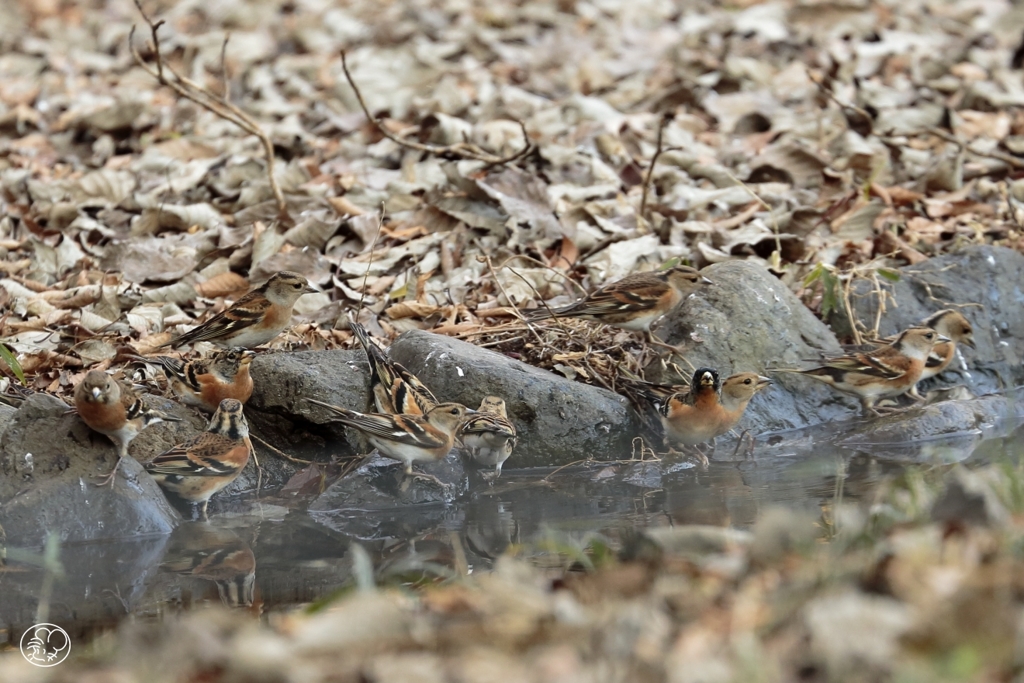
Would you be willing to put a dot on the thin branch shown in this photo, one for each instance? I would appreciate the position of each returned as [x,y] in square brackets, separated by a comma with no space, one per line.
[219,106]
[373,245]
[225,86]
[279,452]
[465,150]
[1013,161]
[666,118]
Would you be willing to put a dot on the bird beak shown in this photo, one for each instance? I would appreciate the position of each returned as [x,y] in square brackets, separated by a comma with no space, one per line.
[942,339]
[763,381]
[470,411]
[969,342]
[310,289]
[248,355]
[96,392]
[706,281]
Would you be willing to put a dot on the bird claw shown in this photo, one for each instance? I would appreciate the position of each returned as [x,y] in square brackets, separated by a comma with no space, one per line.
[108,479]
[428,477]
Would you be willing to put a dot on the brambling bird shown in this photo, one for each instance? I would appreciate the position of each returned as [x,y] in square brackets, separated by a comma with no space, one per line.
[396,391]
[407,438]
[489,436]
[115,411]
[948,323]
[708,409]
[886,372]
[254,319]
[633,303]
[204,383]
[200,467]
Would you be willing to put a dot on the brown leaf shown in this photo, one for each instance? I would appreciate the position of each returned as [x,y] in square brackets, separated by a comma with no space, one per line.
[410,309]
[222,285]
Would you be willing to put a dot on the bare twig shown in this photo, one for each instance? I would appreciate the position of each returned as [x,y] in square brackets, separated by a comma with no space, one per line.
[373,245]
[464,150]
[219,106]
[1013,161]
[666,119]
[225,86]
[281,453]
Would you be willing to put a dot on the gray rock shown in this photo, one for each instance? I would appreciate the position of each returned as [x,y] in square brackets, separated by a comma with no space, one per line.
[749,321]
[986,284]
[947,417]
[51,490]
[558,421]
[277,413]
[6,414]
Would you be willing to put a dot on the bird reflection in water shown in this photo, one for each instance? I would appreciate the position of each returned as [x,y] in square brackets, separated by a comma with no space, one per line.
[200,551]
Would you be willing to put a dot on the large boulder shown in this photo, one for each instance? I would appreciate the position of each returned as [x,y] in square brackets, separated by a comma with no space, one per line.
[749,321]
[278,413]
[984,283]
[48,459]
[558,421]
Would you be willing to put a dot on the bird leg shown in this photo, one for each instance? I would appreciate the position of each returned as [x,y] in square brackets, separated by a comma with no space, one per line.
[108,479]
[428,477]
[692,453]
[749,452]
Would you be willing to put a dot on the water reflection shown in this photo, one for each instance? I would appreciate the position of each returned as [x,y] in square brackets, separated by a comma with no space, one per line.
[263,556]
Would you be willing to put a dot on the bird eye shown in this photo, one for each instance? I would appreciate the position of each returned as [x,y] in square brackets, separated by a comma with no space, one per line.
[746,381]
[455,411]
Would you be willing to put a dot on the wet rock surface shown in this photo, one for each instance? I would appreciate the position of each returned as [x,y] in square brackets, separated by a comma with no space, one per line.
[278,414]
[558,421]
[984,283]
[381,486]
[749,321]
[947,417]
[49,458]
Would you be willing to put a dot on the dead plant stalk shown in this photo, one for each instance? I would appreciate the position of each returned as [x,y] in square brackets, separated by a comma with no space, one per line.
[218,105]
[464,150]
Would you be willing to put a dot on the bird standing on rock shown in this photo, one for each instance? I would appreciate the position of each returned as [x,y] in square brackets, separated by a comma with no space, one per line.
[255,319]
[204,383]
[948,323]
[114,410]
[204,465]
[633,303]
[489,436]
[708,409]
[886,372]
[396,391]
[407,438]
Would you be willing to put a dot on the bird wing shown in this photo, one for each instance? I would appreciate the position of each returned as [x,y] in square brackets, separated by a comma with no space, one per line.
[186,373]
[411,430]
[868,364]
[245,312]
[486,423]
[620,297]
[208,454]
